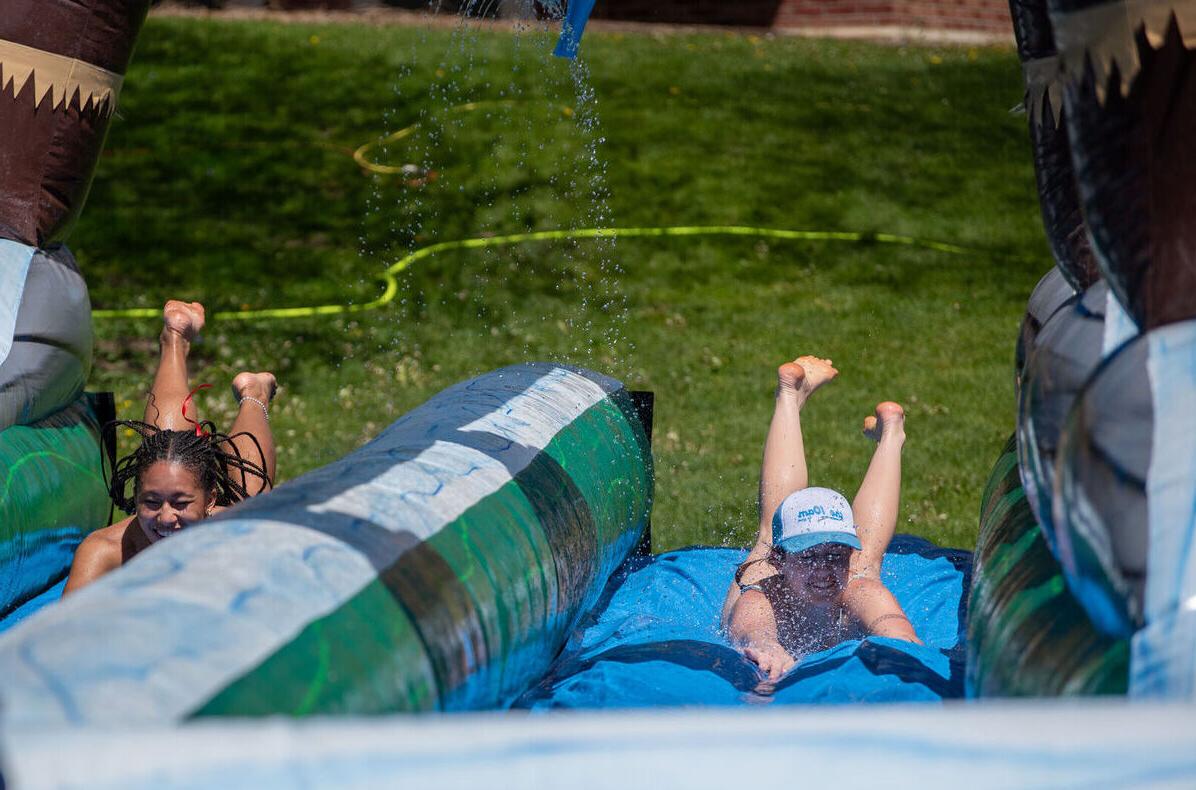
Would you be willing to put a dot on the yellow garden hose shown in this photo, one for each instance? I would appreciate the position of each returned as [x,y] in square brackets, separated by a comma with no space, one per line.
[390,275]
[360,156]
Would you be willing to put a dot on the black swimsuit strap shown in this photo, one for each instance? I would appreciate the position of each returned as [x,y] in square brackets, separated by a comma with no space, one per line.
[740,570]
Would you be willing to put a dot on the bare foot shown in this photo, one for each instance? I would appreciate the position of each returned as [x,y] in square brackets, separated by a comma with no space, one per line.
[889,422]
[791,375]
[806,374]
[260,386]
[183,319]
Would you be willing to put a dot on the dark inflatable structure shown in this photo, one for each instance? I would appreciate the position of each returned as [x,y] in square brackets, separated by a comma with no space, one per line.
[61,67]
[1102,518]
[1028,636]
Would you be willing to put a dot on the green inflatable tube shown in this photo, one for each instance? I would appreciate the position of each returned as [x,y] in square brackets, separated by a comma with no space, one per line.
[1027,634]
[442,566]
[52,495]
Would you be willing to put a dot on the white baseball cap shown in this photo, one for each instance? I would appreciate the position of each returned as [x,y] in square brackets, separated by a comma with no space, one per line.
[812,516]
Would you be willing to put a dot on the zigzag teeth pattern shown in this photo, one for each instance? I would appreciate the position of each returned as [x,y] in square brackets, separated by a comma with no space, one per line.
[60,77]
[1044,84]
[1104,37]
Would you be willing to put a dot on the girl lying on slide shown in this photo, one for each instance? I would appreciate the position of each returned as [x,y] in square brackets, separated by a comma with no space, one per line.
[184,470]
[813,578]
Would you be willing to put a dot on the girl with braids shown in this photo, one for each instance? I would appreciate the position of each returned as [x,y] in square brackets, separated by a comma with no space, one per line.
[184,470]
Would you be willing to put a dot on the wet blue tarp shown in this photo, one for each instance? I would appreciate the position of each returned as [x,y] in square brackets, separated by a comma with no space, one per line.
[654,639]
[34,604]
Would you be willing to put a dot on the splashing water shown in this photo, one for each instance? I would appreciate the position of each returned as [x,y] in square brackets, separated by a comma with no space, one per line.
[506,139]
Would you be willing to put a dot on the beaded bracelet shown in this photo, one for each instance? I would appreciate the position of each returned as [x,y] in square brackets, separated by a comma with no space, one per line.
[259,403]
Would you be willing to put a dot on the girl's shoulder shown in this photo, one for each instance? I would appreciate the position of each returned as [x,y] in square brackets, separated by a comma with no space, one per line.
[104,548]
[100,552]
[113,533]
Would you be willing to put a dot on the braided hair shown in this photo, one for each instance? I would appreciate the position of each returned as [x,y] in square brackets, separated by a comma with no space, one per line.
[208,454]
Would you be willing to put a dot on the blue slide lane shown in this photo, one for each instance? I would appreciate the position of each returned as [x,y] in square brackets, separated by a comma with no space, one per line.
[33,605]
[32,563]
[654,639]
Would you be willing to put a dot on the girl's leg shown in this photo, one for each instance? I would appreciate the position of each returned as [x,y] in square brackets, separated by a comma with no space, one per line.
[254,392]
[875,506]
[875,510]
[181,321]
[783,470]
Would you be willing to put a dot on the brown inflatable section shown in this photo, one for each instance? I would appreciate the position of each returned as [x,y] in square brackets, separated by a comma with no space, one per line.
[1060,201]
[51,141]
[1131,103]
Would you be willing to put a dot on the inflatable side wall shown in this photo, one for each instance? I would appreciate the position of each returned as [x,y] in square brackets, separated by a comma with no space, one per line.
[1053,170]
[1027,635]
[61,69]
[1130,75]
[1105,382]
[441,566]
[1124,504]
[53,494]
[62,64]
[45,332]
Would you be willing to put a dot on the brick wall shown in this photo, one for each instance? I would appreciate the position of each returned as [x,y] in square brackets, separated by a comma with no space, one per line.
[978,15]
[752,13]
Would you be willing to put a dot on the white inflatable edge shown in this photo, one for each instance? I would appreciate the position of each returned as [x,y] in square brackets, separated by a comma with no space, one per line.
[14,269]
[1163,660]
[969,745]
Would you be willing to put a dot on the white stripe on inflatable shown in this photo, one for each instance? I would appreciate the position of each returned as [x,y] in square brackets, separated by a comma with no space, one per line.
[1163,662]
[514,430]
[1119,326]
[420,496]
[975,745]
[14,268]
[155,639]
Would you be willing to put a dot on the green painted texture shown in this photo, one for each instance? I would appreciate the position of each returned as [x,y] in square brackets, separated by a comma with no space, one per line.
[1027,634]
[52,494]
[471,617]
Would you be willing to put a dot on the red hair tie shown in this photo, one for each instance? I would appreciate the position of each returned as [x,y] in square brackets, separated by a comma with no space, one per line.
[199,429]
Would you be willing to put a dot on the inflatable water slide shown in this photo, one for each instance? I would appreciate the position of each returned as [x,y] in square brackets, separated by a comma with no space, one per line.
[453,601]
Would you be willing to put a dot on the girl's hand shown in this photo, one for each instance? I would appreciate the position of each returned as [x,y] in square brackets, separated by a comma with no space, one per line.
[772,660]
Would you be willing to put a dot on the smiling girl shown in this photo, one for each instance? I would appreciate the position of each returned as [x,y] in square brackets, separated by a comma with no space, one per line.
[183,471]
[813,578]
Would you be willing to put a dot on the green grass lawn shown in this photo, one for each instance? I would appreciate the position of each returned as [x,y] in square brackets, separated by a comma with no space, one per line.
[229,178]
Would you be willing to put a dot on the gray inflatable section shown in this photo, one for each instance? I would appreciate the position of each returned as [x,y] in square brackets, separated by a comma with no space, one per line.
[45,332]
